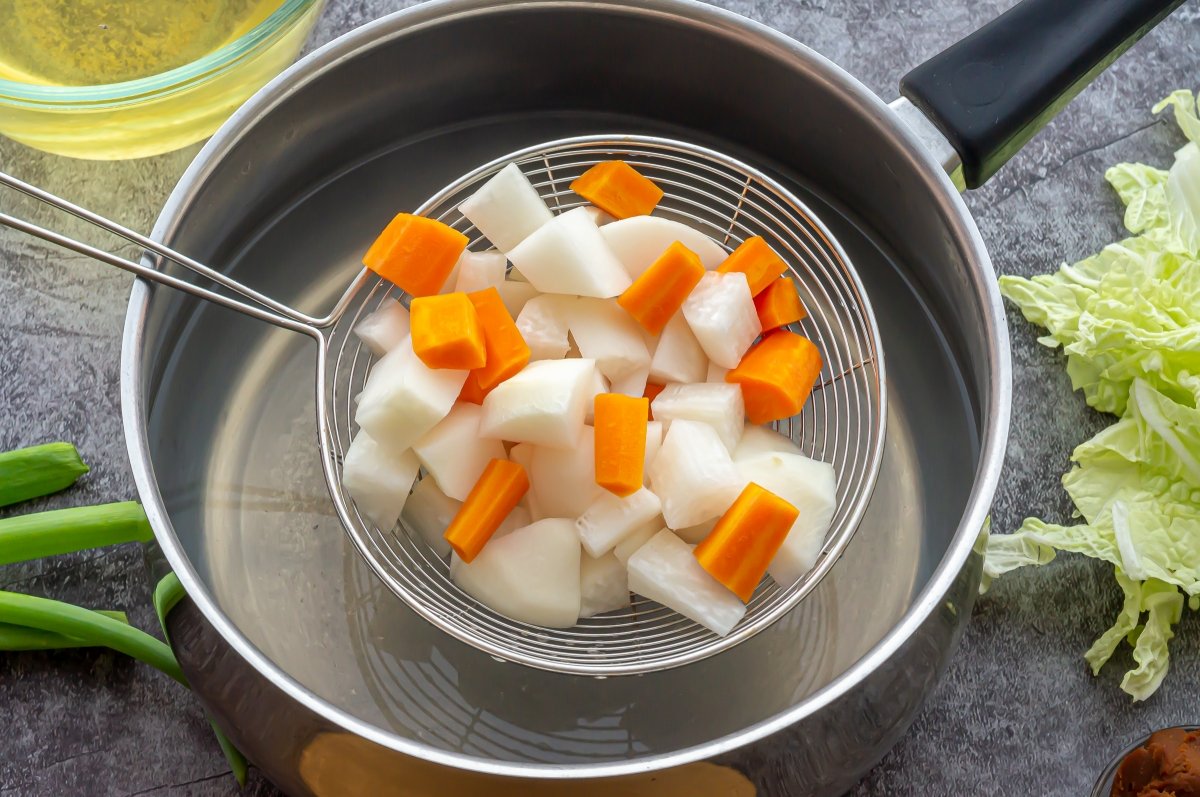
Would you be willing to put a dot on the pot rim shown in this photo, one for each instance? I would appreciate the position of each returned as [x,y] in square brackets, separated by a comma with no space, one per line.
[936,181]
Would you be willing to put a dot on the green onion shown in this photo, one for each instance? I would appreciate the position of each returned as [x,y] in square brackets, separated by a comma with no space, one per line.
[167,593]
[67,530]
[19,637]
[30,472]
[93,628]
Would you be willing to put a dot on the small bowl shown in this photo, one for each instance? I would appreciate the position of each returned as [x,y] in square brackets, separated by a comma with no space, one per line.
[1104,784]
[161,112]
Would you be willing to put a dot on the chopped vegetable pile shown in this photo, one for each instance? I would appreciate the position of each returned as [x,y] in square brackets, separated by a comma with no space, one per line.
[585,424]
[1128,319]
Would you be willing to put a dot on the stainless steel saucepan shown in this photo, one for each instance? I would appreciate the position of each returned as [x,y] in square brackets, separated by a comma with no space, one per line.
[317,671]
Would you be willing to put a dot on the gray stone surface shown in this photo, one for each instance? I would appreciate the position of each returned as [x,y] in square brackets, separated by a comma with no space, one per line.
[1017,713]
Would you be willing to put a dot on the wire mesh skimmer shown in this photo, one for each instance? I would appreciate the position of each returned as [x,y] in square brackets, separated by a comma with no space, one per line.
[842,423]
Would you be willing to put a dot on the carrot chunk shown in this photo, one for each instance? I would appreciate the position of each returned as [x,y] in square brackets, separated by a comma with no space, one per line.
[651,392]
[659,292]
[620,442]
[777,375]
[507,351]
[745,539]
[757,261]
[618,189]
[415,253]
[778,305]
[499,489]
[471,391]
[446,332]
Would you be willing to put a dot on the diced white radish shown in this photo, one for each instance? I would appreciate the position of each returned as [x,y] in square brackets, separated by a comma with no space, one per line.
[507,208]
[543,324]
[654,438]
[522,454]
[403,398]
[603,585]
[454,453]
[515,275]
[599,216]
[720,406]
[518,518]
[384,329]
[610,519]
[451,278]
[715,373]
[479,270]
[515,295]
[568,255]
[639,240]
[636,539]
[810,486]
[378,479]
[678,356]
[694,534]
[607,334]
[565,479]
[530,575]
[543,404]
[720,311]
[693,475]
[632,383]
[762,440]
[599,385]
[664,570]
[428,513]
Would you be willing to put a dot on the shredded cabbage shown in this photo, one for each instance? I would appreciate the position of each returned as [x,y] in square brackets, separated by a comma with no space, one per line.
[1128,320]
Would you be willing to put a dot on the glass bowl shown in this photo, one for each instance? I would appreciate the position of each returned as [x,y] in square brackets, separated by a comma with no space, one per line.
[161,112]
[1104,783]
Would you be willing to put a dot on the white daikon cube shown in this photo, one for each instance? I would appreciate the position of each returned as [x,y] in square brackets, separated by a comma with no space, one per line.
[640,240]
[610,519]
[654,438]
[515,295]
[522,454]
[428,513]
[603,585]
[568,255]
[694,534]
[454,453]
[507,208]
[720,406]
[693,475]
[636,539]
[518,518]
[479,270]
[632,383]
[530,575]
[604,332]
[678,356]
[565,479]
[715,373]
[810,486]
[378,479]
[720,311]
[384,329]
[404,398]
[543,324]
[664,570]
[543,404]
[599,385]
[762,440]
[599,216]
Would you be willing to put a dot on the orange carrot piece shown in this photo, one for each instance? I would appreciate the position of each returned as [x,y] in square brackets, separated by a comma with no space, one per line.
[651,392]
[500,487]
[778,305]
[471,391]
[777,375]
[659,292]
[620,442]
[757,261]
[618,189]
[446,332]
[507,351]
[415,253]
[744,541]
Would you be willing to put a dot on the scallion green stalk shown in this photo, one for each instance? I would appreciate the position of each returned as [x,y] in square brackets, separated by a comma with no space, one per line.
[68,530]
[40,470]
[19,637]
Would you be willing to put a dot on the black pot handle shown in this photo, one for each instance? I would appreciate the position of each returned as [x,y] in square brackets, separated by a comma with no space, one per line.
[992,91]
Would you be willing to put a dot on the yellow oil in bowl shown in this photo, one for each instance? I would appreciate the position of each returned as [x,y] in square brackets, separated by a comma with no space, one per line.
[108,79]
